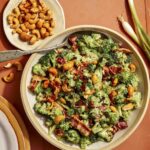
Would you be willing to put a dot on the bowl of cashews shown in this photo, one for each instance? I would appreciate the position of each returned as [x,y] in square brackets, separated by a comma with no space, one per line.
[30,24]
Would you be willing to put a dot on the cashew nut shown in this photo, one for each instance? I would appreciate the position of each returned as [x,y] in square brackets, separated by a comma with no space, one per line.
[37,33]
[10,19]
[40,23]
[65,88]
[28,16]
[9,78]
[33,40]
[24,29]
[16,12]
[33,21]
[53,23]
[34,10]
[24,36]
[43,31]
[30,26]
[46,25]
[15,23]
[41,15]
[50,30]
[27,5]
[8,65]
[18,65]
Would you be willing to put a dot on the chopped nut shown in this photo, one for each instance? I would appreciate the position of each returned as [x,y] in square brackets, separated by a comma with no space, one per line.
[113,108]
[132,67]
[130,91]
[18,65]
[128,106]
[69,65]
[94,79]
[53,71]
[9,78]
[114,82]
[59,118]
[8,65]
[63,100]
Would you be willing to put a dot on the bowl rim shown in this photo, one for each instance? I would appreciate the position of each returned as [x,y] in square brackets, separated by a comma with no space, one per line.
[5,20]
[32,117]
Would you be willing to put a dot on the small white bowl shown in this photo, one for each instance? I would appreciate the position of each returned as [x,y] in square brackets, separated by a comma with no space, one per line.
[136,117]
[14,39]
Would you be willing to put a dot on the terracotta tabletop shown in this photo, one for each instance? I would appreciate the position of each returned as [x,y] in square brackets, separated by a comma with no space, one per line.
[77,12]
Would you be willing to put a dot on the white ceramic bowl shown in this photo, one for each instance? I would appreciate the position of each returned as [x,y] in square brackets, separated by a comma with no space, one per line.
[58,15]
[29,100]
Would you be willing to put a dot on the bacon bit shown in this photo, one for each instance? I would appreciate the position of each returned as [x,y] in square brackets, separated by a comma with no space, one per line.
[35,80]
[52,98]
[114,70]
[79,103]
[79,125]
[32,85]
[115,129]
[105,71]
[83,87]
[60,60]
[59,132]
[91,123]
[122,125]
[72,39]
[91,104]
[75,47]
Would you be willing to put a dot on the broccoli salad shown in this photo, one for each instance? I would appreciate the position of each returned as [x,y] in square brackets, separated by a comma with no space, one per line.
[86,90]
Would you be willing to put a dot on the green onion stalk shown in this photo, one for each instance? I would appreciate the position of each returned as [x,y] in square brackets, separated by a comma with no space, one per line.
[140,37]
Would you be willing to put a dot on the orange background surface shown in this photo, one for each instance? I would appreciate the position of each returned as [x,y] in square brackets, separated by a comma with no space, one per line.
[77,12]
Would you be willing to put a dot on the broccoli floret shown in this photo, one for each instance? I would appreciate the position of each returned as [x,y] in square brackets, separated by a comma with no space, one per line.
[70,112]
[42,108]
[73,136]
[38,89]
[84,142]
[48,59]
[37,69]
[91,67]
[49,122]
[114,117]
[65,125]
[96,128]
[47,91]
[40,97]
[105,135]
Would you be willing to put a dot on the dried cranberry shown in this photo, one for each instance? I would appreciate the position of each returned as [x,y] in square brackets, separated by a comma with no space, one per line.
[59,132]
[114,70]
[83,87]
[91,104]
[60,60]
[122,125]
[91,122]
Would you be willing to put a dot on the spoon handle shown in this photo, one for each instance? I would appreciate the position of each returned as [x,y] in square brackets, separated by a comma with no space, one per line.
[13,54]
